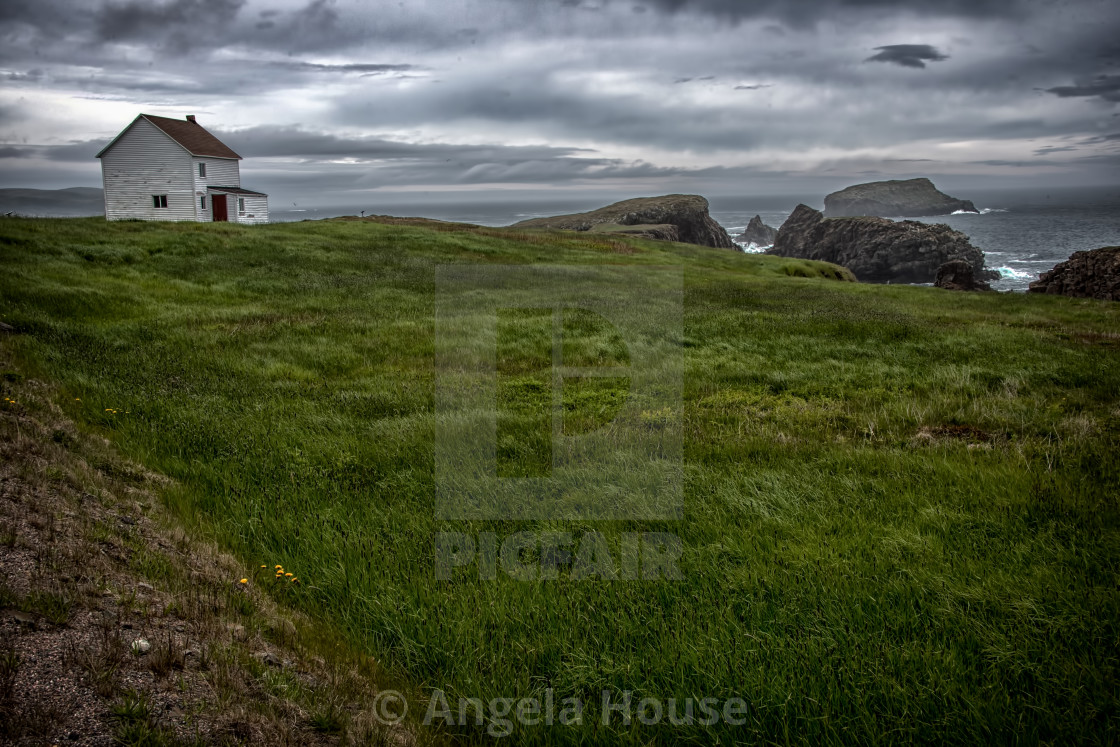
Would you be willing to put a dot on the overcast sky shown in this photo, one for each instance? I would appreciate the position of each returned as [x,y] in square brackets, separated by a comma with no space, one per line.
[354,100]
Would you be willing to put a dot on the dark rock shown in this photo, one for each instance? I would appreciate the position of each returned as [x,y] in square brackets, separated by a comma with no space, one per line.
[1089,274]
[6,327]
[688,213]
[895,198]
[958,275]
[877,250]
[758,233]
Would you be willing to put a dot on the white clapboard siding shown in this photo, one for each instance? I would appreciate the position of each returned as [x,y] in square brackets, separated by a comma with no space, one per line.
[220,172]
[256,209]
[143,162]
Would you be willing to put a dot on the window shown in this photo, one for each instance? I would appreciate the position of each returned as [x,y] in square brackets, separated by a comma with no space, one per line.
[202,202]
[202,169]
[160,201]
[241,204]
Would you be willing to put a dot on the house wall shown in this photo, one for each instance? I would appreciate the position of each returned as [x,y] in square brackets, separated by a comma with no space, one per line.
[220,172]
[146,162]
[256,209]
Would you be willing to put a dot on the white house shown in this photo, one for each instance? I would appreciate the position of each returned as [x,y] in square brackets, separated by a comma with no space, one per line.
[160,168]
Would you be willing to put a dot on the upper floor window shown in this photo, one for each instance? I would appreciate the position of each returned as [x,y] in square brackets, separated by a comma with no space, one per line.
[202,169]
[159,201]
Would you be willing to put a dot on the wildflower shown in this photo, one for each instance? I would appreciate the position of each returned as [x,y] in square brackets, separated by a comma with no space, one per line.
[264,566]
[294,579]
[288,575]
[244,580]
[279,567]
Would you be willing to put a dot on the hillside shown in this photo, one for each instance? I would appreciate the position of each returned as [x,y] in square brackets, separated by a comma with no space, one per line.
[648,215]
[899,516]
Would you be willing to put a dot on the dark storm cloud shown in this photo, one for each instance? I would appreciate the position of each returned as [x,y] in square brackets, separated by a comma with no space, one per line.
[329,161]
[655,84]
[176,27]
[33,76]
[809,12]
[1106,87]
[360,67]
[179,25]
[82,151]
[907,55]
[1047,150]
[293,142]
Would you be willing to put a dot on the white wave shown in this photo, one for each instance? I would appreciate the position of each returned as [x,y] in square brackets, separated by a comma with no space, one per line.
[1012,274]
[751,247]
[983,211]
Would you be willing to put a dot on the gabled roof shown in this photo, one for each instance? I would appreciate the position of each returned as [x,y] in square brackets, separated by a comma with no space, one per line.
[190,135]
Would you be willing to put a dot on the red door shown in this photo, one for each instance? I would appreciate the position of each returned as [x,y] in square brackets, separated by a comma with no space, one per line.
[220,213]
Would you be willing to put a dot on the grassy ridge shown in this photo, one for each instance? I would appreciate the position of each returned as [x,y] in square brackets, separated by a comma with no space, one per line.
[900,503]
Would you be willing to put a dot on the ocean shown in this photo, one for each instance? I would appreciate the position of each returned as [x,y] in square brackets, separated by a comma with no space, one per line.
[1022,232]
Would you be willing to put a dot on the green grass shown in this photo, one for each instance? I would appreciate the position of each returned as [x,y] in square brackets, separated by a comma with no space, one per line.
[900,503]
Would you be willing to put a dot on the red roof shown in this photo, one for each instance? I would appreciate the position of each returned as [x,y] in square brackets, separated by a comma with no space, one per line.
[189,134]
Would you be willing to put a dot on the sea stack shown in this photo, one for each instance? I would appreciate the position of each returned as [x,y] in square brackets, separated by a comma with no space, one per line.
[877,250]
[906,198]
[758,233]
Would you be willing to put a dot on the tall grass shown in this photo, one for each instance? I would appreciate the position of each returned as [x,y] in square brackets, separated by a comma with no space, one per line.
[900,504]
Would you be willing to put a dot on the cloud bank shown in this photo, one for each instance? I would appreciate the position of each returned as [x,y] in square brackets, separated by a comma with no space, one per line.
[641,95]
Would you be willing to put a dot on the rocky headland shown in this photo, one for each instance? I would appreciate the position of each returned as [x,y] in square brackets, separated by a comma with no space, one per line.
[877,250]
[1089,274]
[758,233]
[651,217]
[906,198]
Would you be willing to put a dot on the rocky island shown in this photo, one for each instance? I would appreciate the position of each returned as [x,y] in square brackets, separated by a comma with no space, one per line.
[906,198]
[650,217]
[877,250]
[758,233]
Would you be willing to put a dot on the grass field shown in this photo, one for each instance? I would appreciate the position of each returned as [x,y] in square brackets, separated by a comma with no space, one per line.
[900,518]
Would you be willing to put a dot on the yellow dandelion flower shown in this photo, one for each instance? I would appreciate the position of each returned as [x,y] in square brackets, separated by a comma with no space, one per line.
[294,579]
[244,580]
[264,566]
[279,567]
[288,575]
